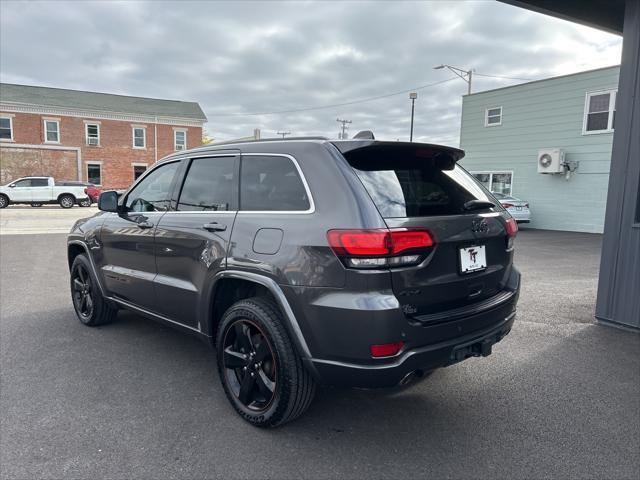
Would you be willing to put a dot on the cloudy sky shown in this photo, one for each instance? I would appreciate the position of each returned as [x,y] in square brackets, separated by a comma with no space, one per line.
[241,58]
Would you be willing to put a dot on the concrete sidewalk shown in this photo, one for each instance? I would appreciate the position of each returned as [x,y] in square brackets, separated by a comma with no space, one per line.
[22,220]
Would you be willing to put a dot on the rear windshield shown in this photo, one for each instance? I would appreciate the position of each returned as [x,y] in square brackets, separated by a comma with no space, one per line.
[409,189]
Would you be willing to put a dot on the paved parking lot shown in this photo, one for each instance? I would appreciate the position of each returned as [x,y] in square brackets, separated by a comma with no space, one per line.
[559,398]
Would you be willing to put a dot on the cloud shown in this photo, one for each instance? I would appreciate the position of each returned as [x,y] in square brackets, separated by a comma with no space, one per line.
[240,57]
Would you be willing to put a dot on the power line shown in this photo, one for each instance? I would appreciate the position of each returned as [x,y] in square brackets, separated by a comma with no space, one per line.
[500,76]
[307,109]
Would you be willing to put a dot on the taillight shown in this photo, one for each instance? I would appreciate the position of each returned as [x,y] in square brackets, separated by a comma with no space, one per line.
[380,247]
[507,205]
[386,349]
[512,230]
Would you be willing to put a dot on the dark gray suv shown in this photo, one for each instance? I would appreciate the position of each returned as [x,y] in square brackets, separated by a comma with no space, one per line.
[306,261]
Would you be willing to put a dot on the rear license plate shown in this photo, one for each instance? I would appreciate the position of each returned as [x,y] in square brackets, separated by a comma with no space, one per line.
[473,259]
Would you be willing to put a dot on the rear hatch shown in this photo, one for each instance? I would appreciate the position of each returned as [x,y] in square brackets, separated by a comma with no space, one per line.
[419,186]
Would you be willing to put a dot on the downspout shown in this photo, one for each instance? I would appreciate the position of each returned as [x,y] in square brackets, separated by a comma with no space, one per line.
[155,138]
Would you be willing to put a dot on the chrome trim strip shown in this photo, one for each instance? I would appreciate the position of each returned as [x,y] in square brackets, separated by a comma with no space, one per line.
[275,289]
[201,212]
[151,314]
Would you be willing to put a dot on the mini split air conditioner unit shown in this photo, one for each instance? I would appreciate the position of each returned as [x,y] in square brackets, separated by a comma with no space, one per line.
[551,160]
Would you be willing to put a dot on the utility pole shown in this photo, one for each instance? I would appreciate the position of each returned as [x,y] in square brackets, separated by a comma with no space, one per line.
[465,75]
[412,96]
[284,134]
[345,124]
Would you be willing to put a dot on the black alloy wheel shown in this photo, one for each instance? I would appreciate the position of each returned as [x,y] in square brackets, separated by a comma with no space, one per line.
[261,372]
[82,291]
[250,365]
[90,306]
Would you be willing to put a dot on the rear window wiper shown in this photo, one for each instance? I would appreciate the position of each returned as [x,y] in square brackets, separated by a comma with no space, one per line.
[478,204]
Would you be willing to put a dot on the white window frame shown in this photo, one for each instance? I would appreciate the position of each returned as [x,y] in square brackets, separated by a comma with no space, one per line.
[613,95]
[86,133]
[144,137]
[10,118]
[486,117]
[44,127]
[94,163]
[175,139]
[491,173]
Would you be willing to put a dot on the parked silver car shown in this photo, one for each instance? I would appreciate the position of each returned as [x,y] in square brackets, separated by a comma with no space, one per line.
[519,209]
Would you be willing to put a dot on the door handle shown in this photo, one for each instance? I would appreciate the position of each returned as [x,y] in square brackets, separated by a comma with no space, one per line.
[144,224]
[214,227]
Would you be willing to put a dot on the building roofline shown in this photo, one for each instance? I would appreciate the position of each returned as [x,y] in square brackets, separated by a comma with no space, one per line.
[99,93]
[203,116]
[541,80]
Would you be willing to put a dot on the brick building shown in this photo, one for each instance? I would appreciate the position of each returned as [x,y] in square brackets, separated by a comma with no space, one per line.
[99,138]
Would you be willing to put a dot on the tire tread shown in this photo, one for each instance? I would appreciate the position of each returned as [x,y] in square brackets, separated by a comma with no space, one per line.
[297,393]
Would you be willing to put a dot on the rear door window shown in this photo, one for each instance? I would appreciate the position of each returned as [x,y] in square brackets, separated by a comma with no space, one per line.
[210,184]
[403,188]
[39,182]
[271,183]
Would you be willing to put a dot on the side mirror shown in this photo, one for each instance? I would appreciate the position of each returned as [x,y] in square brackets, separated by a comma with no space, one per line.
[108,201]
[13,185]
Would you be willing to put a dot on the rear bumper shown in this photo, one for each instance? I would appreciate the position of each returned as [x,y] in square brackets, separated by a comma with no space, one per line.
[341,329]
[421,359]
[521,216]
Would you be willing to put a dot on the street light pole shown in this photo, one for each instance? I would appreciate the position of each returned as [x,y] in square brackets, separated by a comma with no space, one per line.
[465,75]
[412,96]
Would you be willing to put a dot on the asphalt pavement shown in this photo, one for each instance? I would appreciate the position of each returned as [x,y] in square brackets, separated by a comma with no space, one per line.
[559,397]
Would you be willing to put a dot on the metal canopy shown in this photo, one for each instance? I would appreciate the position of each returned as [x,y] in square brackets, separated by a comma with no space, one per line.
[606,15]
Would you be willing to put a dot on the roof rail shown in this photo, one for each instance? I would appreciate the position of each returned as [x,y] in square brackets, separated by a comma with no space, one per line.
[275,139]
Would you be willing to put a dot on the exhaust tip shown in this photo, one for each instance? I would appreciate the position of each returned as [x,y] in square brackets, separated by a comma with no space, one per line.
[409,377]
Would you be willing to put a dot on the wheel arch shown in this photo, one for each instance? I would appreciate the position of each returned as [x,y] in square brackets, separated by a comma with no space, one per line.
[66,194]
[231,286]
[77,247]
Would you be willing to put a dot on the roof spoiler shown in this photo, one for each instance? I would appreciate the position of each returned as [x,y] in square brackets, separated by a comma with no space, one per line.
[439,156]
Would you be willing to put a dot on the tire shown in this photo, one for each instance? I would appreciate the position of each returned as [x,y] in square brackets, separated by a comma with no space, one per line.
[36,204]
[66,201]
[281,389]
[4,201]
[85,203]
[84,286]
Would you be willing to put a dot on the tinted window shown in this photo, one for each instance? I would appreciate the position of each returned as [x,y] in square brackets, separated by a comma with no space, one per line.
[39,182]
[405,188]
[153,193]
[94,173]
[271,184]
[209,184]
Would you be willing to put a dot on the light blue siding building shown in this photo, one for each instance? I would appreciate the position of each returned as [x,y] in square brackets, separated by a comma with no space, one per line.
[505,131]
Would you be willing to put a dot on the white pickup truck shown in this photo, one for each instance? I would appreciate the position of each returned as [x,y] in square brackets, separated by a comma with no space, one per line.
[39,190]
